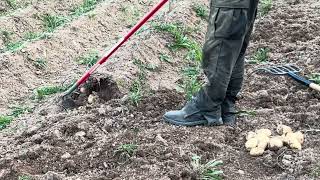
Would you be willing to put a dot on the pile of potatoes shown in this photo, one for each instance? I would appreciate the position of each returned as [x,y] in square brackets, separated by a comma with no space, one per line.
[260,140]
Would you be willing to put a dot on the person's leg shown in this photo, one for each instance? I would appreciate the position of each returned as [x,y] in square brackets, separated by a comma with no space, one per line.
[228,24]
[236,80]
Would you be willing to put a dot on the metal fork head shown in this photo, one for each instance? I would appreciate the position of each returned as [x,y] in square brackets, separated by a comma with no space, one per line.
[281,70]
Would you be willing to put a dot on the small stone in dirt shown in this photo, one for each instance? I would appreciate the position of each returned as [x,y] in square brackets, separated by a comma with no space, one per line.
[36,139]
[66,156]
[53,176]
[241,172]
[102,111]
[286,162]
[84,125]
[287,156]
[57,133]
[159,138]
[43,112]
[31,131]
[92,99]
[80,134]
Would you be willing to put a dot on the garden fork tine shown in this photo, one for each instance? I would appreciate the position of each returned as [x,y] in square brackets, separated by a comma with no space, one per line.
[290,70]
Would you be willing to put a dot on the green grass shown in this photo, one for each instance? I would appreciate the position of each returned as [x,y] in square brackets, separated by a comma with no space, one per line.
[247,113]
[19,110]
[51,22]
[260,56]
[89,59]
[30,36]
[126,150]
[165,58]
[207,171]
[135,94]
[12,3]
[40,63]
[85,7]
[14,46]
[6,36]
[42,92]
[191,72]
[315,77]
[5,121]
[136,90]
[181,41]
[265,6]
[201,10]
[24,177]
[191,83]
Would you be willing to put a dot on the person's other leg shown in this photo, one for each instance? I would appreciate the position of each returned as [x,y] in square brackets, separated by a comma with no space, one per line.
[236,80]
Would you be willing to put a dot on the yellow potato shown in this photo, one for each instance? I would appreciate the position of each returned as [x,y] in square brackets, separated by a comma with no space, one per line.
[285,140]
[276,143]
[283,129]
[250,135]
[299,136]
[256,151]
[251,143]
[293,142]
[266,132]
[263,144]
[262,137]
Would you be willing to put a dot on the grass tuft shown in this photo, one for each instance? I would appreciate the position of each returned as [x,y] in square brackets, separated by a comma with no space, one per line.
[24,177]
[260,56]
[315,77]
[40,63]
[5,121]
[44,91]
[19,110]
[85,7]
[208,170]
[51,22]
[265,7]
[181,41]
[89,59]
[136,89]
[12,3]
[126,150]
[251,113]
[201,10]
[191,83]
[14,46]
[165,58]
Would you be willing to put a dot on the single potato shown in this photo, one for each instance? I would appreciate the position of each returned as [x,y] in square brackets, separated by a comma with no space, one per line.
[251,143]
[283,129]
[299,136]
[275,143]
[256,151]
[250,135]
[266,132]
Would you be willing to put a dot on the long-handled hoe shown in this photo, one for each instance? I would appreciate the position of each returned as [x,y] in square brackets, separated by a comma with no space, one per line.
[84,78]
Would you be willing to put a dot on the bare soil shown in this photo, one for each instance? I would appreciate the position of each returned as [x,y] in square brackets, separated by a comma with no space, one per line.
[81,143]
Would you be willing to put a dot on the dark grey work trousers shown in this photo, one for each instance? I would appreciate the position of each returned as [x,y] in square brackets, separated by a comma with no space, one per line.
[229,29]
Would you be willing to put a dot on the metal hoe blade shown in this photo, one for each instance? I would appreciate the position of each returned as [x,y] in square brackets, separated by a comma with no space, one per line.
[281,70]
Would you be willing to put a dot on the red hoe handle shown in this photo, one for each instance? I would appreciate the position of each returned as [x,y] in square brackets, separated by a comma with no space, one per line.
[116,47]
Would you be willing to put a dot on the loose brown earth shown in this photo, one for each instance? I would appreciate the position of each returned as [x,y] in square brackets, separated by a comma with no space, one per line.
[52,143]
